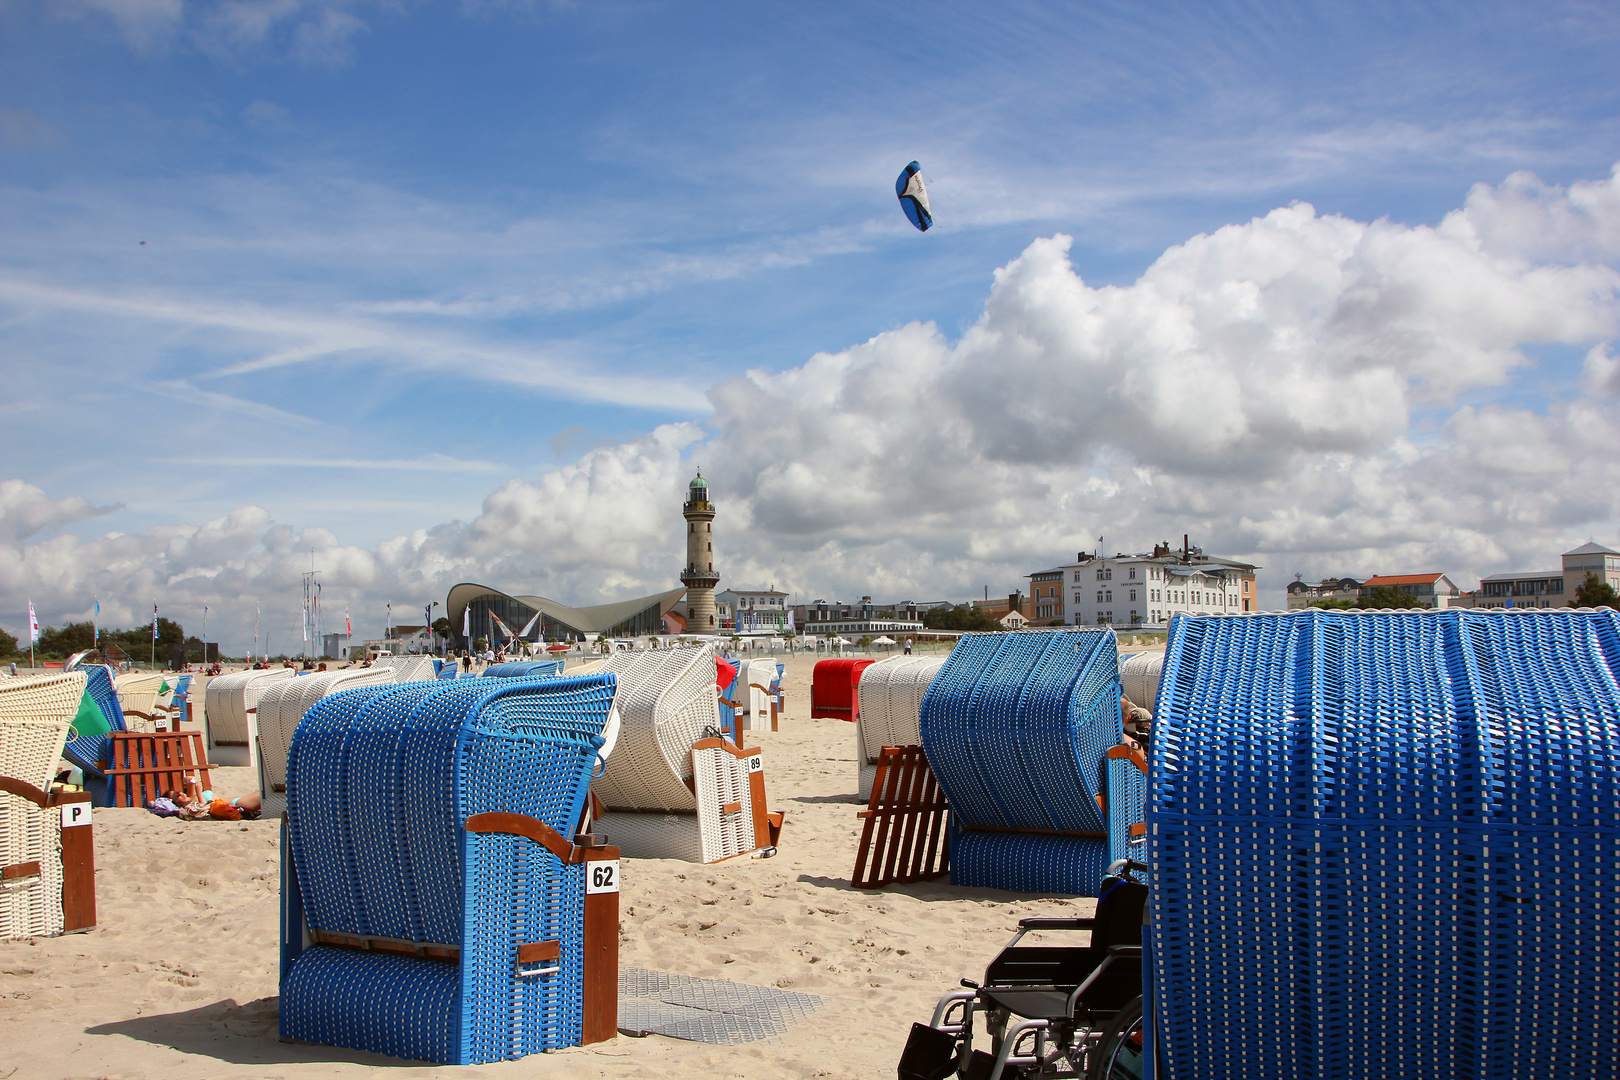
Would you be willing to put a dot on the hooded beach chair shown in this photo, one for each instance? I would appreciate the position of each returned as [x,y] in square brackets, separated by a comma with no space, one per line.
[42,848]
[1023,731]
[1139,677]
[435,904]
[833,684]
[890,694]
[523,669]
[88,746]
[759,689]
[1384,844]
[673,787]
[230,705]
[408,668]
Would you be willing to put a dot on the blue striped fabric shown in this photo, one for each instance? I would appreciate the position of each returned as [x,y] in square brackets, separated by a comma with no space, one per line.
[1015,727]
[379,783]
[1386,845]
[89,751]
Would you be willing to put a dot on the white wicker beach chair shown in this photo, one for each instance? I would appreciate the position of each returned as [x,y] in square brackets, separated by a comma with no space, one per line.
[281,706]
[671,789]
[891,695]
[759,671]
[230,705]
[138,697]
[405,668]
[35,714]
[1139,677]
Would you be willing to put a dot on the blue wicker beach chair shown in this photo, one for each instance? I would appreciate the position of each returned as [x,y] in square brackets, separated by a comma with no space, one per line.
[1409,823]
[432,905]
[1018,728]
[89,750]
[524,669]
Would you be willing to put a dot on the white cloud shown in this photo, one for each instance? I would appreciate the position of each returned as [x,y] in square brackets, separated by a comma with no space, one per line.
[1254,388]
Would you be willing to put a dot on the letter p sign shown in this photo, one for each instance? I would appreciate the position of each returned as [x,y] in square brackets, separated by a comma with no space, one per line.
[75,813]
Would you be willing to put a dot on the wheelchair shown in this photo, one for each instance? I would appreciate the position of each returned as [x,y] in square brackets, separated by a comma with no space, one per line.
[1050,1011]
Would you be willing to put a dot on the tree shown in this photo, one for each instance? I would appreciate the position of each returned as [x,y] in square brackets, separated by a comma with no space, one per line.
[959,617]
[8,644]
[1595,592]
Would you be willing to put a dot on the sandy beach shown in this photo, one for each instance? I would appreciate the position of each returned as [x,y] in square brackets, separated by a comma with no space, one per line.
[179,977]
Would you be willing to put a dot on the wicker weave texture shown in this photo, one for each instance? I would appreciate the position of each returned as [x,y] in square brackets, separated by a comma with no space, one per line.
[281,706]
[34,716]
[652,836]
[138,698]
[1388,842]
[523,669]
[666,702]
[379,782]
[1139,677]
[891,695]
[721,779]
[230,703]
[406,668]
[1015,727]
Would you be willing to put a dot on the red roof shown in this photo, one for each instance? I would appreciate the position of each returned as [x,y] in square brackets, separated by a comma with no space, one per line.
[1401,579]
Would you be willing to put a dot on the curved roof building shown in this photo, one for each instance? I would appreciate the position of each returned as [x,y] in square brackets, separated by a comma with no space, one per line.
[535,618]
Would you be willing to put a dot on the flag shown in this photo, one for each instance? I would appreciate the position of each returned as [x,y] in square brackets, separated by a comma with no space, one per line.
[348,630]
[466,621]
[427,616]
[33,623]
[154,621]
[95,624]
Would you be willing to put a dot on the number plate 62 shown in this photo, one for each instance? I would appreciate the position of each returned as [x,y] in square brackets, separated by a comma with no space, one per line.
[601,877]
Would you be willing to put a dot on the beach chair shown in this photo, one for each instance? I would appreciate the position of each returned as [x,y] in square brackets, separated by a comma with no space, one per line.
[47,868]
[230,707]
[408,668]
[1139,677]
[759,686]
[1384,844]
[673,788]
[524,669]
[890,695]
[1018,728]
[98,715]
[436,904]
[281,706]
[833,684]
[138,698]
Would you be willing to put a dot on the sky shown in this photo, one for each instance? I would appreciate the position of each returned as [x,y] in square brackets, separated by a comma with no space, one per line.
[419,293]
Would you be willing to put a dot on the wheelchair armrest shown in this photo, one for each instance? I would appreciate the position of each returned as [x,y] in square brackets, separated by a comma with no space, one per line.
[1056,924]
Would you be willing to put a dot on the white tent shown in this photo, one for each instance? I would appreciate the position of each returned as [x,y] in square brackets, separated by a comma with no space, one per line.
[885,640]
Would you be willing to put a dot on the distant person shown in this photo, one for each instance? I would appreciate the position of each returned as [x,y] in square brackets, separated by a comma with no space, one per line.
[908,646]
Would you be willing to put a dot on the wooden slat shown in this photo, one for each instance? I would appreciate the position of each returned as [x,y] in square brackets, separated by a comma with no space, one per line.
[20,870]
[78,870]
[903,838]
[142,765]
[600,944]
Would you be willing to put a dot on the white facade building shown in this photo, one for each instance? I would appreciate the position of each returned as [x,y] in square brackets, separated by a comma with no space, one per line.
[753,610]
[1144,591]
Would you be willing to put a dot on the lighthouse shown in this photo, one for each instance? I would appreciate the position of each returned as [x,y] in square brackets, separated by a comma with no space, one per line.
[699,576]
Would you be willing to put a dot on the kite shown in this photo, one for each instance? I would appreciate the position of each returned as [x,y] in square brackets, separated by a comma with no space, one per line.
[914,197]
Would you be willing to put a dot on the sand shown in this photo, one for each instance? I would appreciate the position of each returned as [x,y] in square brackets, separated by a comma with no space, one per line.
[179,978]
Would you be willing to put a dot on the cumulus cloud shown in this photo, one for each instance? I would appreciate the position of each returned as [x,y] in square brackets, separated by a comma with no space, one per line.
[312,32]
[1303,390]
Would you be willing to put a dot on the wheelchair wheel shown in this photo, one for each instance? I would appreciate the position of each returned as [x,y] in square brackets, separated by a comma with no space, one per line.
[1118,1055]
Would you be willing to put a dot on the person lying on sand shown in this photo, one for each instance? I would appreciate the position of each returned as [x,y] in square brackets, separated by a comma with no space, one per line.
[188,808]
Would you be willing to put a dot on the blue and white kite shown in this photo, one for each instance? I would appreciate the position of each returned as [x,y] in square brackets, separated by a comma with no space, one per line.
[914,197]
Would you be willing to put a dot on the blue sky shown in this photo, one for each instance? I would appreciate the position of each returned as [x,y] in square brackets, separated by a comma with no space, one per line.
[398,255]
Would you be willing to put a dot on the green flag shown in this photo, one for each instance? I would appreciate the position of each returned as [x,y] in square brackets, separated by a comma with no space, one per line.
[164,689]
[89,719]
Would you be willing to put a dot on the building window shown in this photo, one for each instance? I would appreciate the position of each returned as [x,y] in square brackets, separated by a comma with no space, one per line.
[1133,574]
[1110,596]
[1099,596]
[1133,596]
